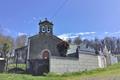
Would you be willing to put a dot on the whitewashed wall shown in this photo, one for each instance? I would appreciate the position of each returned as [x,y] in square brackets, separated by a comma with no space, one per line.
[64,64]
[113,59]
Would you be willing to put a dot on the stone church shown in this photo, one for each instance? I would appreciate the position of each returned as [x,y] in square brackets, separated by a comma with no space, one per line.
[42,46]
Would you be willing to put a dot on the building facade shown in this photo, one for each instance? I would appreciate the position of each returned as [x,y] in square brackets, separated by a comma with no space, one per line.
[44,43]
[41,47]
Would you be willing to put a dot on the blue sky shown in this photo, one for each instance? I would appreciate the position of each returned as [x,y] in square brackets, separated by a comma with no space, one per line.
[88,18]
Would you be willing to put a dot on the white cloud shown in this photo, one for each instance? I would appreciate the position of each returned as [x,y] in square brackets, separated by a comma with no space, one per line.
[73,35]
[4,30]
[21,33]
[34,18]
[86,33]
[30,21]
[66,36]
[106,32]
[93,32]
[115,34]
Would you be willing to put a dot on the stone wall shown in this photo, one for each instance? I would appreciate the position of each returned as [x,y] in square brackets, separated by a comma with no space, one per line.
[69,64]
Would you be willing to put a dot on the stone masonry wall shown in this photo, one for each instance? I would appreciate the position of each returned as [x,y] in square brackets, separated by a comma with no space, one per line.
[65,64]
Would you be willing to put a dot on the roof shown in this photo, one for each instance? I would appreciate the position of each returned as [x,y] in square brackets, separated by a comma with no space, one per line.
[44,35]
[2,59]
[45,22]
[24,47]
[72,49]
[83,48]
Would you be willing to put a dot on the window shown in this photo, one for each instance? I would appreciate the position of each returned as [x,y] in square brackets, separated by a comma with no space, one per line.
[48,30]
[43,29]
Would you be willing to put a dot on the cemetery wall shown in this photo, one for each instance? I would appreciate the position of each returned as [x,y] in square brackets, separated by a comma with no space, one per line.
[70,64]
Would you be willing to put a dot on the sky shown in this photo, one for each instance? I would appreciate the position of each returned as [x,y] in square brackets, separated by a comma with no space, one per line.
[87,18]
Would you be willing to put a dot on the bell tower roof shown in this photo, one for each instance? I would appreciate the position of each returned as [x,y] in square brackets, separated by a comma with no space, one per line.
[45,22]
[45,27]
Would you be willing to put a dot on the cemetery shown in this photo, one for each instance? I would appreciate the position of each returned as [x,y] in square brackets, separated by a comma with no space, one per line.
[46,53]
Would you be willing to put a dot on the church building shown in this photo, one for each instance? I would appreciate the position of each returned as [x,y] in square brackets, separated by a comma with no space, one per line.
[43,45]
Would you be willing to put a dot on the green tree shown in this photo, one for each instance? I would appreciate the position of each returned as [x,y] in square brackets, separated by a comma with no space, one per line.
[5,51]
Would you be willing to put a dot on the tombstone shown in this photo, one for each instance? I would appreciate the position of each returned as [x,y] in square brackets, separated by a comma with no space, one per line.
[2,64]
[107,56]
[101,60]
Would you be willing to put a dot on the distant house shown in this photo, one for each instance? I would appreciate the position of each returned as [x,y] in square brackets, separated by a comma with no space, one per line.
[21,54]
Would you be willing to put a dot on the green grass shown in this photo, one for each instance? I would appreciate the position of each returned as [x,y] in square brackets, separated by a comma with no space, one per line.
[97,74]
[22,66]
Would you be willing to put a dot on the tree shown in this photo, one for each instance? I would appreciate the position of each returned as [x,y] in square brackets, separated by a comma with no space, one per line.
[77,41]
[62,48]
[110,43]
[69,40]
[5,52]
[6,47]
[118,45]
[6,40]
[21,41]
[86,42]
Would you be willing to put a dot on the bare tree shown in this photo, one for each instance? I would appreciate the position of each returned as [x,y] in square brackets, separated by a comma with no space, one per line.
[77,41]
[21,41]
[69,40]
[86,42]
[110,43]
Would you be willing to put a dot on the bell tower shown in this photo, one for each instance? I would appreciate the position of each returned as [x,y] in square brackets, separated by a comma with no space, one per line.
[45,27]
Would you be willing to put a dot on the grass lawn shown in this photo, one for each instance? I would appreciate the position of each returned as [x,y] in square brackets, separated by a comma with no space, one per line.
[110,73]
[23,66]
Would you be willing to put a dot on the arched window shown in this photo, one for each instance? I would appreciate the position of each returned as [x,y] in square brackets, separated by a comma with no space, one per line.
[48,30]
[43,29]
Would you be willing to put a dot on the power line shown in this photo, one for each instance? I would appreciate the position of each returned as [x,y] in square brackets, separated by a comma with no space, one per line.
[58,10]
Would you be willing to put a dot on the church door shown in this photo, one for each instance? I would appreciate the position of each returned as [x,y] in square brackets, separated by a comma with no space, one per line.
[45,55]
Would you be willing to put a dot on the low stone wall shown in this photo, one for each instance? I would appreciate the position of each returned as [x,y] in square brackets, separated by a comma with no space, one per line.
[68,64]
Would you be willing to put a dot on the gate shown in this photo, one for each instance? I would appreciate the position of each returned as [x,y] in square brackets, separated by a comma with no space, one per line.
[39,66]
